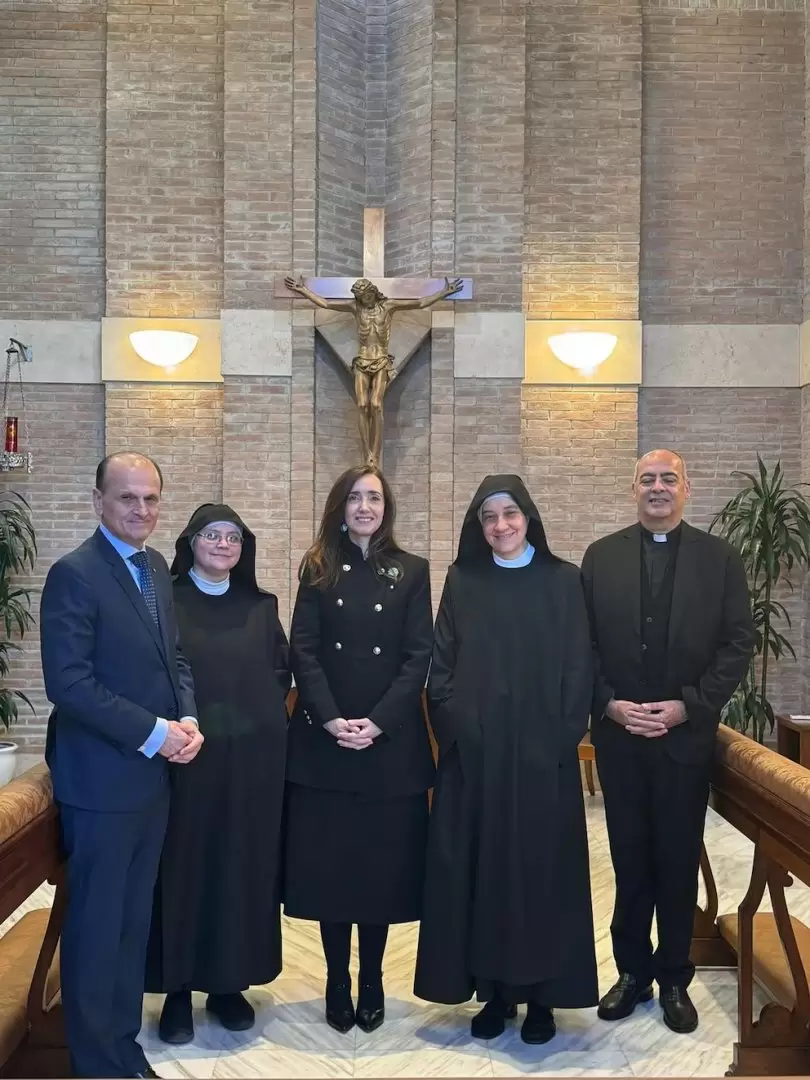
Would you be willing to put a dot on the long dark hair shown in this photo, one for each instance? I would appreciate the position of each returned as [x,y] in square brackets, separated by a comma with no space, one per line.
[322,562]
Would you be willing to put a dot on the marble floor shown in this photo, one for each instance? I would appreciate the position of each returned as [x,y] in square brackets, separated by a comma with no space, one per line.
[290,1038]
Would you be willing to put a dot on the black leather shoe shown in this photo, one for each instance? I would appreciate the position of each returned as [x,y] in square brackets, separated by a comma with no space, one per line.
[340,1007]
[370,1006]
[233,1011]
[490,1022]
[148,1072]
[176,1025]
[622,998]
[539,1026]
[680,1014]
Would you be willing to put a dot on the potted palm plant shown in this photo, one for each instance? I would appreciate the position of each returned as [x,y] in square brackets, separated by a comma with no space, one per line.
[18,552]
[768,522]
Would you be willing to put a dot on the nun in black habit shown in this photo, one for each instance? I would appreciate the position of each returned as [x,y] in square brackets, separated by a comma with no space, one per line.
[507,913]
[216,920]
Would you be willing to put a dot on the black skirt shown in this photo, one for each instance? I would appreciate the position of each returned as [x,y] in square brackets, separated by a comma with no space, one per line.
[355,859]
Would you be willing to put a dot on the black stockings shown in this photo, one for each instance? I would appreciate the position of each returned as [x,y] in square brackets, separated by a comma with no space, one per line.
[337,943]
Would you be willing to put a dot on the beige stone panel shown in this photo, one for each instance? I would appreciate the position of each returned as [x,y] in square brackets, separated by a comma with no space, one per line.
[256,343]
[804,354]
[747,354]
[489,344]
[622,367]
[120,362]
[64,350]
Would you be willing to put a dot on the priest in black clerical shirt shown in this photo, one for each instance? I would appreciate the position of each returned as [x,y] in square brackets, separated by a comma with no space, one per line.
[672,636]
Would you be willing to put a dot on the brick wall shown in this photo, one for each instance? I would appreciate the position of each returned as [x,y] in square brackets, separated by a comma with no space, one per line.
[583,142]
[376,99]
[409,144]
[723,138]
[67,436]
[256,472]
[579,450]
[444,72]
[486,438]
[180,427]
[52,152]
[489,159]
[337,439]
[341,172]
[442,439]
[406,451]
[259,59]
[719,431]
[302,450]
[164,183]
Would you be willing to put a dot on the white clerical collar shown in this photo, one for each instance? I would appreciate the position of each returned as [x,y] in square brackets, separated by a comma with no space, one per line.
[211,588]
[661,537]
[514,564]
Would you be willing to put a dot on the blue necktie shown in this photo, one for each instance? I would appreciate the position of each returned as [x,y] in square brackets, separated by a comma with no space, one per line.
[141,562]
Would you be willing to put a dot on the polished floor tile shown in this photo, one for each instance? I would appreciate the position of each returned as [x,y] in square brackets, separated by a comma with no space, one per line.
[290,1038]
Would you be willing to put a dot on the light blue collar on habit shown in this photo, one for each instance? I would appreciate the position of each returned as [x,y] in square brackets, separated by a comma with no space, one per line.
[513,564]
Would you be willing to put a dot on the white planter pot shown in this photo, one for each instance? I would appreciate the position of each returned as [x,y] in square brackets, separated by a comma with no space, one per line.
[8,761]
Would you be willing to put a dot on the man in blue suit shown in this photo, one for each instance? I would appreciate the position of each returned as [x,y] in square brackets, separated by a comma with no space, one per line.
[123,707]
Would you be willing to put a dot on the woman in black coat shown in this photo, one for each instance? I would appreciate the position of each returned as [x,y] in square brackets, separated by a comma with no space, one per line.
[360,765]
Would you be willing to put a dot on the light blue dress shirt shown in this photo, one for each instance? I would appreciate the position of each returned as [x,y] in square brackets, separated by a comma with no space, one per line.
[161,728]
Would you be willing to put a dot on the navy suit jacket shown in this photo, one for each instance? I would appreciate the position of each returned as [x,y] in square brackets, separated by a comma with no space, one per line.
[109,672]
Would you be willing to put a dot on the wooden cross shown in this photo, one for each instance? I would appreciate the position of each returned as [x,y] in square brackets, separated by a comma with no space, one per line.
[340,288]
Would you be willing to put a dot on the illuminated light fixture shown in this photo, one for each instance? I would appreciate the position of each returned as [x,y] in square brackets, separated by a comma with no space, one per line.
[163,348]
[584,350]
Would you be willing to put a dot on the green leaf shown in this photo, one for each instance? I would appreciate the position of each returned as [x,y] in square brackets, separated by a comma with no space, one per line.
[18,555]
[768,522]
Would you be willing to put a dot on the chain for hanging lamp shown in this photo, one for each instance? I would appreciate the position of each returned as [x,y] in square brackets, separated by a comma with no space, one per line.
[12,457]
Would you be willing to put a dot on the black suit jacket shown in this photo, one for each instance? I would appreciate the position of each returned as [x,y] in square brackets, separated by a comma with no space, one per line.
[109,673]
[362,648]
[711,633]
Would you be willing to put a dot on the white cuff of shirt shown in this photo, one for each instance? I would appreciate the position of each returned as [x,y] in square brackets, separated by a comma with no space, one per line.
[158,736]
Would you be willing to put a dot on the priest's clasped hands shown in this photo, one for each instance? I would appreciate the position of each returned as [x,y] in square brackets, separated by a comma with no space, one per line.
[353,734]
[650,719]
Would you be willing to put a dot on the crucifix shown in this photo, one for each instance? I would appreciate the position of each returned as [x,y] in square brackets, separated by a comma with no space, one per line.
[375,299]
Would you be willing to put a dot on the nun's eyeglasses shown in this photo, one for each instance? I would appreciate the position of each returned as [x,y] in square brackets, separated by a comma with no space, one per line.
[233,539]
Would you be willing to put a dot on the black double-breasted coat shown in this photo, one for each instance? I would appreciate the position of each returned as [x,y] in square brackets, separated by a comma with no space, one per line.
[360,648]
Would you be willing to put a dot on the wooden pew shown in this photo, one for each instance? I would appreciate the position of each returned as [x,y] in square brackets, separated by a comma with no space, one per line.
[31,1034]
[767,798]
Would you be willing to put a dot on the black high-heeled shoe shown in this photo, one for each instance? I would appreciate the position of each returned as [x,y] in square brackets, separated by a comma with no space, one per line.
[370,1006]
[339,1007]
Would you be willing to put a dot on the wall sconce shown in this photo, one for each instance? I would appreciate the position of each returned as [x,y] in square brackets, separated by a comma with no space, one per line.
[584,350]
[163,348]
